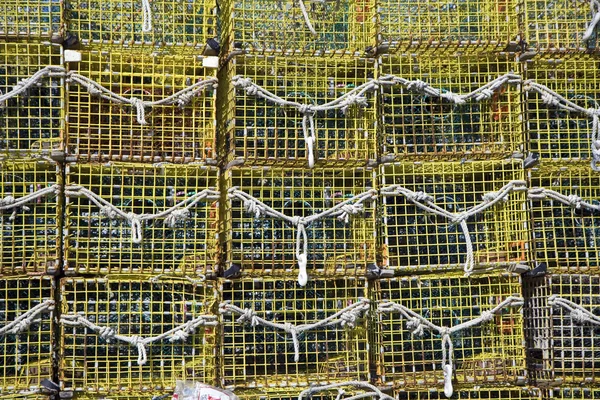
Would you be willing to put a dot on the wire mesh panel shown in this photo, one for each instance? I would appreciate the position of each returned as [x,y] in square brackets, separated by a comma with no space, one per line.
[562,336]
[305,121]
[574,393]
[257,356]
[30,212]
[31,116]
[336,244]
[131,218]
[24,396]
[473,393]
[143,108]
[165,26]
[489,351]
[555,133]
[338,392]
[566,234]
[343,27]
[26,344]
[449,216]
[31,19]
[420,126]
[559,25]
[433,26]
[127,335]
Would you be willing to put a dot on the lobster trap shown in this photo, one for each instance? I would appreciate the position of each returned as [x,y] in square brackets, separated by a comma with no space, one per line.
[341,391]
[559,25]
[34,20]
[299,111]
[311,28]
[432,26]
[26,335]
[563,345]
[555,132]
[574,393]
[161,26]
[424,124]
[279,221]
[31,93]
[450,216]
[565,217]
[280,345]
[130,335]
[30,217]
[142,219]
[141,108]
[433,331]
[512,393]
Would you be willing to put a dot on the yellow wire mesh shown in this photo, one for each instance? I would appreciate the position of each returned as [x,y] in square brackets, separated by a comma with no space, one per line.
[32,20]
[135,307]
[175,26]
[432,26]
[556,134]
[263,133]
[138,396]
[96,243]
[567,238]
[423,127]
[22,396]
[267,245]
[100,130]
[292,394]
[26,357]
[30,233]
[560,349]
[345,27]
[575,393]
[557,25]
[413,240]
[32,122]
[473,393]
[490,352]
[264,357]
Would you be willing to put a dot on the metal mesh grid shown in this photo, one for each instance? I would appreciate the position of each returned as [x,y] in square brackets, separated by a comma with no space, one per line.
[575,393]
[473,393]
[556,134]
[431,26]
[414,241]
[134,307]
[30,233]
[259,356]
[267,245]
[558,25]
[175,26]
[264,133]
[488,352]
[26,357]
[100,130]
[293,392]
[567,237]
[423,127]
[560,349]
[32,122]
[31,19]
[96,243]
[23,396]
[345,27]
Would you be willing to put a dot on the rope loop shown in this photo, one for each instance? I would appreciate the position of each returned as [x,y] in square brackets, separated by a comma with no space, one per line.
[251,206]
[140,110]
[415,327]
[306,109]
[348,210]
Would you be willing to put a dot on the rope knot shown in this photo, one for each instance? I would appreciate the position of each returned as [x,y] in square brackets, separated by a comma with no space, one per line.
[252,206]
[181,335]
[459,218]
[421,197]
[7,201]
[486,316]
[93,91]
[415,327]
[417,85]
[484,94]
[574,201]
[21,84]
[454,97]
[176,216]
[140,110]
[249,316]
[184,99]
[109,212]
[136,340]
[354,99]
[297,220]
[241,82]
[492,196]
[579,316]
[21,326]
[348,210]
[306,109]
[550,100]
[106,333]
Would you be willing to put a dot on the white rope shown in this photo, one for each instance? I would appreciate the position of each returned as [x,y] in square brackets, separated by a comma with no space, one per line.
[356,96]
[28,318]
[577,313]
[200,280]
[343,211]
[180,98]
[417,325]
[10,202]
[179,212]
[551,98]
[595,7]
[146,16]
[426,203]
[306,17]
[179,333]
[24,84]
[572,200]
[373,390]
[345,317]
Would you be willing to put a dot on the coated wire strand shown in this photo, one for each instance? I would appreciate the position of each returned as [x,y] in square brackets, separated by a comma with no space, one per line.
[426,203]
[24,321]
[343,211]
[374,391]
[345,317]
[179,333]
[577,313]
[417,324]
[173,215]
